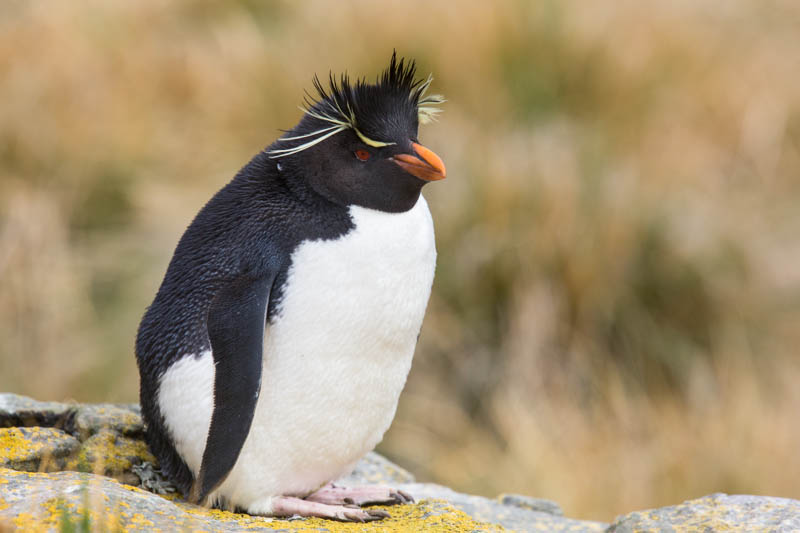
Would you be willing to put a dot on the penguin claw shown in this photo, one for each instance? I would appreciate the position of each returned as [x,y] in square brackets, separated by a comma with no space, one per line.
[364,515]
[402,496]
[378,514]
[351,517]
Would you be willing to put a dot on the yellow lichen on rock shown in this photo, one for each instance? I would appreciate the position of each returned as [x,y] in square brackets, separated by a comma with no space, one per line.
[43,501]
[74,468]
[15,445]
[52,514]
[110,454]
[89,420]
[427,515]
[27,522]
[35,448]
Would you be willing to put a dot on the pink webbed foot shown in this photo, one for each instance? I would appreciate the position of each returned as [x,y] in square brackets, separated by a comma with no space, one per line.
[287,506]
[364,495]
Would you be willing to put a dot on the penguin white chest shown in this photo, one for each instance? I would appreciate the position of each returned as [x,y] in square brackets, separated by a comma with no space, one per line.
[337,355]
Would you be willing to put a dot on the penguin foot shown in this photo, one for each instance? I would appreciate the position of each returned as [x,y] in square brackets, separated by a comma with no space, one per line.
[332,494]
[287,506]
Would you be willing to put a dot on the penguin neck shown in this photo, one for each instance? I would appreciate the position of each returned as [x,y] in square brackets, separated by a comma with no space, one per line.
[297,185]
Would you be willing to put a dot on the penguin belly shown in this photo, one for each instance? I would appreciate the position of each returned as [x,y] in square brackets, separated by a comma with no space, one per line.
[335,360]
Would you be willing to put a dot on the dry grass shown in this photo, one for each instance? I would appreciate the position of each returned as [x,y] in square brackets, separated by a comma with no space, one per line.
[617,306]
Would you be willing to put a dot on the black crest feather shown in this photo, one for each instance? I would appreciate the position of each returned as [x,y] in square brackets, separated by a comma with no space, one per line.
[396,101]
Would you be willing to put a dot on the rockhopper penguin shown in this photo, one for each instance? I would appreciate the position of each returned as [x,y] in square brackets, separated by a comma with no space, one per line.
[275,351]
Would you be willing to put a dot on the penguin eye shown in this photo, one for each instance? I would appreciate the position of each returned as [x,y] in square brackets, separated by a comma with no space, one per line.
[362,155]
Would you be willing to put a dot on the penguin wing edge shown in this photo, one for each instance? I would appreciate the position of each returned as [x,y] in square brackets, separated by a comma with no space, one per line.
[236,322]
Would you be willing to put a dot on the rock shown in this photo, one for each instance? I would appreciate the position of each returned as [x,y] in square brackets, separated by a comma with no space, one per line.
[374,468]
[110,454]
[33,501]
[105,461]
[96,443]
[717,512]
[532,504]
[512,511]
[35,448]
[18,411]
[513,517]
[49,436]
[122,419]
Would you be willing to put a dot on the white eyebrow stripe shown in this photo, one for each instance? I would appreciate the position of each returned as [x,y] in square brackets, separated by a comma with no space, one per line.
[326,118]
[274,154]
[370,142]
[323,130]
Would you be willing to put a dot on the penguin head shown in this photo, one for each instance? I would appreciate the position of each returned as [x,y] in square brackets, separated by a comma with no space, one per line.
[357,143]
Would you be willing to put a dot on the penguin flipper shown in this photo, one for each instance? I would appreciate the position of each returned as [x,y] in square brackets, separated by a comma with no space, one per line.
[236,323]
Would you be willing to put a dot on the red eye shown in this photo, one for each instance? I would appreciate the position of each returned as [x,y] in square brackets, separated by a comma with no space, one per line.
[362,155]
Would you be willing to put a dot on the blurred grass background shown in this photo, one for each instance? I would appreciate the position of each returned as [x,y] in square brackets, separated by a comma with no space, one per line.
[616,313]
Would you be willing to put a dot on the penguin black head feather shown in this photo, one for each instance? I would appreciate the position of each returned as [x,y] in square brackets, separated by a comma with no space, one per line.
[357,141]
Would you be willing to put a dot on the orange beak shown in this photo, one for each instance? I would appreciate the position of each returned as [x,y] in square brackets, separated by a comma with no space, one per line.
[426,165]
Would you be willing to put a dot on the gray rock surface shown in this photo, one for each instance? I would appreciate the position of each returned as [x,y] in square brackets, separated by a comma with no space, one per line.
[84,464]
[532,504]
[376,469]
[37,502]
[18,410]
[123,419]
[96,443]
[716,512]
[512,516]
[32,449]
[512,511]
